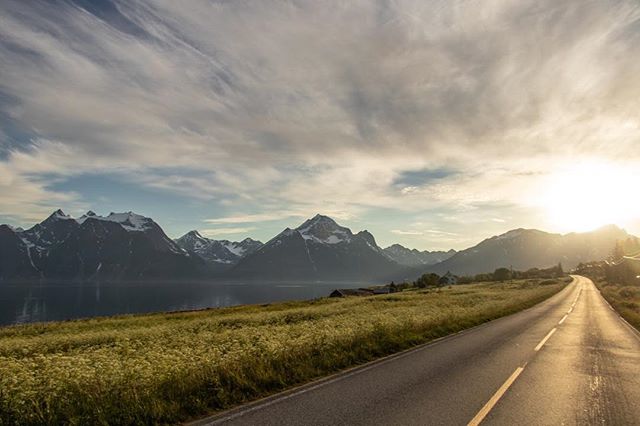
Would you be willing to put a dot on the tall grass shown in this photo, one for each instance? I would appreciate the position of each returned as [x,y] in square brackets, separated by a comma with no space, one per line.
[164,368]
[624,299]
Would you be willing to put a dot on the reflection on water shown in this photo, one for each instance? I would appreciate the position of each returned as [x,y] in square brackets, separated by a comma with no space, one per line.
[23,303]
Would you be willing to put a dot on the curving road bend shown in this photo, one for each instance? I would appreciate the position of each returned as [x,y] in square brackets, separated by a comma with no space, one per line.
[569,360]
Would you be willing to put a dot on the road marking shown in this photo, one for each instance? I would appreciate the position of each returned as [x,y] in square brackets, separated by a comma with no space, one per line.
[495,398]
[541,344]
[563,318]
[569,311]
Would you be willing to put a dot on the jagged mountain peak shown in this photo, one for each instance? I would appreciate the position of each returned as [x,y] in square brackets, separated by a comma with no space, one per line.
[323,229]
[7,228]
[318,249]
[318,221]
[369,238]
[194,234]
[218,252]
[129,220]
[57,215]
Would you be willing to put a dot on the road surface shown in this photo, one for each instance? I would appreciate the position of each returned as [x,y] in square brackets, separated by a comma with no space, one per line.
[569,360]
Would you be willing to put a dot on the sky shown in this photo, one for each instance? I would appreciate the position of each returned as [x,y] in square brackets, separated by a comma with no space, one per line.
[433,124]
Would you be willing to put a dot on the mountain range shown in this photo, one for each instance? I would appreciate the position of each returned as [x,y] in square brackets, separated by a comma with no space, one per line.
[131,247]
[413,257]
[117,247]
[219,254]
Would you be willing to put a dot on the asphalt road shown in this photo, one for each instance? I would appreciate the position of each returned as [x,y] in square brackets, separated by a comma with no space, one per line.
[569,360]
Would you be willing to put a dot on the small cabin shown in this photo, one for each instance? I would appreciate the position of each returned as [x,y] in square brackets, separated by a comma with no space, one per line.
[448,279]
[344,292]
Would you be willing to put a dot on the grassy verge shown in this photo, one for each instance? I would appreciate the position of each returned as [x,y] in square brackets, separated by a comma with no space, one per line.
[165,368]
[624,299]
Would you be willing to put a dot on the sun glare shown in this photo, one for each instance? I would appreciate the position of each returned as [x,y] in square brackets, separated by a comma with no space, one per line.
[589,195]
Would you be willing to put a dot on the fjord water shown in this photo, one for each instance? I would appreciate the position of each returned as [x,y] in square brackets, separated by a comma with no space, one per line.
[36,302]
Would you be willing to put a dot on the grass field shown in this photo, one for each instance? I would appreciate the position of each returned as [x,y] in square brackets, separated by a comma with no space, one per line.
[624,299]
[164,368]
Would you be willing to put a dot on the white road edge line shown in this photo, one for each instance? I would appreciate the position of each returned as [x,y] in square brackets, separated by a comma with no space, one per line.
[563,318]
[543,341]
[495,398]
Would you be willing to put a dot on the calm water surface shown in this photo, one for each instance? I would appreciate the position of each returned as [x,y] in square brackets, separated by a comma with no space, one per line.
[23,303]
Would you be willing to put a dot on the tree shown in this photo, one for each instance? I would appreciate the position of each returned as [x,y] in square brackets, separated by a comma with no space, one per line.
[427,280]
[502,274]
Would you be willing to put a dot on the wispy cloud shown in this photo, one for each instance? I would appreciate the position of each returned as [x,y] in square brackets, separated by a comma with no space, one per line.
[215,232]
[253,218]
[447,104]
[401,232]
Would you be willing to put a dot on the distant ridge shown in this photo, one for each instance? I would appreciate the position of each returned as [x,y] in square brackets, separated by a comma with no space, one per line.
[413,257]
[219,254]
[130,247]
[529,248]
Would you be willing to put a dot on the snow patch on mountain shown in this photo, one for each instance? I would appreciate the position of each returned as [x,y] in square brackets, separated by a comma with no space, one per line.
[324,230]
[218,251]
[60,215]
[129,221]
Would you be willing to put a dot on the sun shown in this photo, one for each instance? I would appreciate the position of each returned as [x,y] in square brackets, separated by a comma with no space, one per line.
[588,195]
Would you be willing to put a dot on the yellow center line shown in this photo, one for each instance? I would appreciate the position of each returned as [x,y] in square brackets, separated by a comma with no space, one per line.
[495,398]
[563,318]
[543,341]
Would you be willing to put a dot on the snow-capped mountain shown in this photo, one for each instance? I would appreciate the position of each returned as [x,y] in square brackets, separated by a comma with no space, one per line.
[531,248]
[218,252]
[120,246]
[319,249]
[128,246]
[53,230]
[413,257]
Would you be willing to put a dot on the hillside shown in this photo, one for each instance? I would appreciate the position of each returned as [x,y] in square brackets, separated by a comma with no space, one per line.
[530,248]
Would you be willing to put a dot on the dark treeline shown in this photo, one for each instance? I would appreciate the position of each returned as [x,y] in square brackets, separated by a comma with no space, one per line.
[504,274]
[500,274]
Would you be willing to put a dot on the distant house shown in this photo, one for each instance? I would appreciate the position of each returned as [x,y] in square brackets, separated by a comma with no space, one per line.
[448,279]
[344,292]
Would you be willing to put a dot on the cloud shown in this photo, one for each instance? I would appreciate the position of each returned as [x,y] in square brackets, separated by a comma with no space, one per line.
[308,107]
[401,232]
[253,218]
[214,232]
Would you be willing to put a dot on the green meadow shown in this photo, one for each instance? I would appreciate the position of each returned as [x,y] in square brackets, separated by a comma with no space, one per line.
[166,368]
